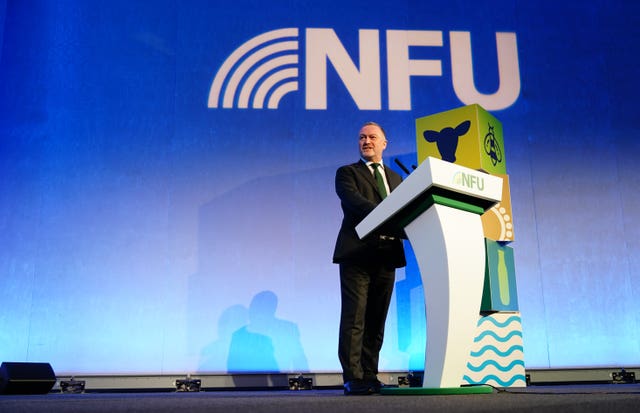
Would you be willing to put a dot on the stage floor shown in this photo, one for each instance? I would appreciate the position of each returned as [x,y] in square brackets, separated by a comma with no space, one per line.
[558,398]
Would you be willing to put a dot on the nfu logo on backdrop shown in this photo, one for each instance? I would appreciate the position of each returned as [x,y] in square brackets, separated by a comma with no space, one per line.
[263,70]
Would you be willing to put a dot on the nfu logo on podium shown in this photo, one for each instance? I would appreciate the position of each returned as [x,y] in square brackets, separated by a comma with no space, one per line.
[262,71]
[473,182]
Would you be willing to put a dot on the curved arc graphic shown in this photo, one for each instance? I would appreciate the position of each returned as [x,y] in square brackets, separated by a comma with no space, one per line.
[249,62]
[221,75]
[259,72]
[279,92]
[270,82]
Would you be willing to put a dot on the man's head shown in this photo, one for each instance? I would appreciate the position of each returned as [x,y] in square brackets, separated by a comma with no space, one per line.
[373,142]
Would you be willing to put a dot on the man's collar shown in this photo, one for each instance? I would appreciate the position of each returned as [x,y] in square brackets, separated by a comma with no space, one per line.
[368,163]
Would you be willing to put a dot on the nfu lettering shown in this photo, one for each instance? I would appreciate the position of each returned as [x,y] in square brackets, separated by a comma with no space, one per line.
[469,181]
[265,69]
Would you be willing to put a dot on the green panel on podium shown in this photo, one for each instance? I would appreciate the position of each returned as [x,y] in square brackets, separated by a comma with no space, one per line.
[467,136]
[499,293]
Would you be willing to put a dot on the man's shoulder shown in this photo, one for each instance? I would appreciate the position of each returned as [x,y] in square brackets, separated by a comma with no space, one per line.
[351,166]
[391,171]
[356,164]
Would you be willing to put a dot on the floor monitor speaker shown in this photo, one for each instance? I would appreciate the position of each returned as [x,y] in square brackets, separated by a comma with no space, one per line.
[26,378]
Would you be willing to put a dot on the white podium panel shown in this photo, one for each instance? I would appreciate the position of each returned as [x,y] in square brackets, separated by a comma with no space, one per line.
[438,207]
[451,262]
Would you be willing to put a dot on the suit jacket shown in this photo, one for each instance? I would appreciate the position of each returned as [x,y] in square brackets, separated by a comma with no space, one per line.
[356,187]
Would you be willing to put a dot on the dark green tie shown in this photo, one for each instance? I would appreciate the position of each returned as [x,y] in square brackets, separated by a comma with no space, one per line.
[376,173]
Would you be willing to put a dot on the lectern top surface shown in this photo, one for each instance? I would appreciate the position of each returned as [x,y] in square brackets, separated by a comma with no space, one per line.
[435,176]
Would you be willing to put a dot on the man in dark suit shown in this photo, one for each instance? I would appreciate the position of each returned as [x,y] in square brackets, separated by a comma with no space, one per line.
[367,266]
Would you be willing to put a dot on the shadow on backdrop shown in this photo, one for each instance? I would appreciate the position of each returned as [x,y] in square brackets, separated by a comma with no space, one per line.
[260,343]
[216,353]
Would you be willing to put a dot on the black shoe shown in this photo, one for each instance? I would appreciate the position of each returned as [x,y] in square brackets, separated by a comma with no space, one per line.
[375,385]
[357,387]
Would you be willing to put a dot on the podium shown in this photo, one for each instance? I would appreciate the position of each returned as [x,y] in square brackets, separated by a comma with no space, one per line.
[439,206]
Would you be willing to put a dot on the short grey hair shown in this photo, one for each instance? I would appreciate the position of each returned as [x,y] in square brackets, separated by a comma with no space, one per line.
[370,123]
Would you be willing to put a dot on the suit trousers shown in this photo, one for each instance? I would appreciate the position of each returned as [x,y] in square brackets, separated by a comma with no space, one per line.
[366,291]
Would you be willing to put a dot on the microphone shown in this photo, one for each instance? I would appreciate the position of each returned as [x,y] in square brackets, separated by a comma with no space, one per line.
[401,165]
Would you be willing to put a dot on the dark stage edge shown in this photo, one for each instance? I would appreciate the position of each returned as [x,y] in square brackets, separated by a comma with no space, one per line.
[571,398]
[431,391]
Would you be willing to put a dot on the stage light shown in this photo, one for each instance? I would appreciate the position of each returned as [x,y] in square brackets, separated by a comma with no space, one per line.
[300,383]
[72,386]
[623,377]
[412,379]
[188,385]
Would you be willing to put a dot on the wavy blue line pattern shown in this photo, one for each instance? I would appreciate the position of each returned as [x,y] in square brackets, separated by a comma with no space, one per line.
[497,355]
[496,365]
[501,383]
[512,319]
[497,337]
[497,351]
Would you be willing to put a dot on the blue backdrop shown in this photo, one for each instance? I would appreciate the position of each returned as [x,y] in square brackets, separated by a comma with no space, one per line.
[149,226]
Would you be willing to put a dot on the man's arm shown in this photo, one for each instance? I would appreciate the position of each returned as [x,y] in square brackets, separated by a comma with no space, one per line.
[351,196]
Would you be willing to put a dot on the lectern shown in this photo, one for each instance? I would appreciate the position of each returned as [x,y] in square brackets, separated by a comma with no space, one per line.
[439,206]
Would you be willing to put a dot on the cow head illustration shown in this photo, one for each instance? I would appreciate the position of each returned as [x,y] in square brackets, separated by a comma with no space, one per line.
[447,139]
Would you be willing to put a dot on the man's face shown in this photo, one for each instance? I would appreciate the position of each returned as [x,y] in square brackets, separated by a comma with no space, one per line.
[372,143]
